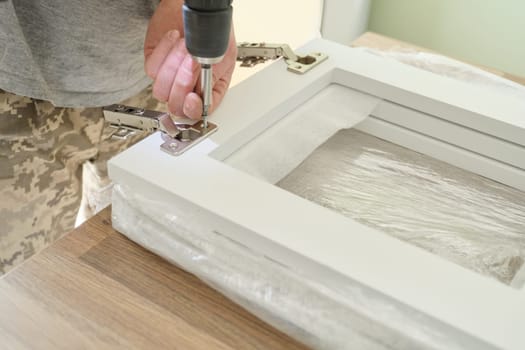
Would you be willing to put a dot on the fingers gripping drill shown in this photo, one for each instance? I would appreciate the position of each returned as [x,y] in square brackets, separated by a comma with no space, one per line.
[207,25]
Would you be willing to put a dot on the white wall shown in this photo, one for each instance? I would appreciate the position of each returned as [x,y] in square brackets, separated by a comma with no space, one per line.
[345,20]
[291,21]
[296,22]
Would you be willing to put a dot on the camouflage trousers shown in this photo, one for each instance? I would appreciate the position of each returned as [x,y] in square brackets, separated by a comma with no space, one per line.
[44,153]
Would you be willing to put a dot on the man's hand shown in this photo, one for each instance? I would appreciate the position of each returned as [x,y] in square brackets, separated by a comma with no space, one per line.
[175,73]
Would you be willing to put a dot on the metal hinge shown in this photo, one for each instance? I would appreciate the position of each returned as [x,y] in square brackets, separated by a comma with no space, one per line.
[178,137]
[251,54]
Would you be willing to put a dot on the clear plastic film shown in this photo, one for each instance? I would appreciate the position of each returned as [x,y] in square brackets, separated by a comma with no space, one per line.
[284,145]
[460,216]
[342,315]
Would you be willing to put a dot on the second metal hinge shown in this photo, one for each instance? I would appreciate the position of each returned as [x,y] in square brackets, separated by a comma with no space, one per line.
[251,54]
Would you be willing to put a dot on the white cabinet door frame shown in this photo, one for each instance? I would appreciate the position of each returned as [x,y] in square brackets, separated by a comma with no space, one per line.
[447,119]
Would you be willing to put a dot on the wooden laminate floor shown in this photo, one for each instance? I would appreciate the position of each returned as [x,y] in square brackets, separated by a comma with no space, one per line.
[96,289]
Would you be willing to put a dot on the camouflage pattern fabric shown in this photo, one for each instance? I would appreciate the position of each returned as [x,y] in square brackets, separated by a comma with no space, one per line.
[42,152]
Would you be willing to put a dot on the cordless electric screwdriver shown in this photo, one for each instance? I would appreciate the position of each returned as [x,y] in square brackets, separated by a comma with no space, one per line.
[207,25]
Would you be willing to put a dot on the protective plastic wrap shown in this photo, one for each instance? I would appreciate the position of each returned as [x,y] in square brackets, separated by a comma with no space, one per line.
[463,217]
[342,315]
[283,146]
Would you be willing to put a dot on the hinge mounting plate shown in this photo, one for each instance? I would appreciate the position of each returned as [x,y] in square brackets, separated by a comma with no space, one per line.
[251,54]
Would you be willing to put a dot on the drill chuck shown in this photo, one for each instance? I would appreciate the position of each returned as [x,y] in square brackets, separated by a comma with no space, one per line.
[207,25]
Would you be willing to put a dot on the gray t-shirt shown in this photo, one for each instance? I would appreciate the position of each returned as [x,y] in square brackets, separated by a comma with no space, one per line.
[74,53]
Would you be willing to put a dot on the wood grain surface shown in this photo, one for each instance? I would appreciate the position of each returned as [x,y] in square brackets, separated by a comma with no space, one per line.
[95,289]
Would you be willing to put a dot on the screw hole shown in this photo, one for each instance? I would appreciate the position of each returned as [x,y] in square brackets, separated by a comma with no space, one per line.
[306,60]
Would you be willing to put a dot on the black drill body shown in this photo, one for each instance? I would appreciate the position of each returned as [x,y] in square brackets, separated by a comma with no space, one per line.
[207,25]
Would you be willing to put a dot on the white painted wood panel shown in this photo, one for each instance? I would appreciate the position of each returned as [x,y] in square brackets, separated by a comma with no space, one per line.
[449,132]
[326,245]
